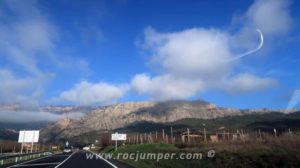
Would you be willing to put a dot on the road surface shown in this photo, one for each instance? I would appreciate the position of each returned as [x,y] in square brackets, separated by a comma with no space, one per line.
[75,160]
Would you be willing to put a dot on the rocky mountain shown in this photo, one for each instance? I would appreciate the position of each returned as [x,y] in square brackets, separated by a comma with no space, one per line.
[8,134]
[123,114]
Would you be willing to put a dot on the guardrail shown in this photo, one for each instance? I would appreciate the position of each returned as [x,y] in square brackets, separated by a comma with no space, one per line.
[15,158]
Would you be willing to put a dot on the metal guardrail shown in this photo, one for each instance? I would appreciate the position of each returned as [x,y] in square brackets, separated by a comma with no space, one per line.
[15,158]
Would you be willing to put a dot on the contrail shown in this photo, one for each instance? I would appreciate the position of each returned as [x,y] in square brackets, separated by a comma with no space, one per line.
[253,50]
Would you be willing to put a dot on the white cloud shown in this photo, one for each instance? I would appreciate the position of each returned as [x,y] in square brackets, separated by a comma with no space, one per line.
[199,59]
[191,52]
[165,87]
[28,47]
[247,83]
[27,39]
[271,16]
[33,116]
[23,91]
[86,93]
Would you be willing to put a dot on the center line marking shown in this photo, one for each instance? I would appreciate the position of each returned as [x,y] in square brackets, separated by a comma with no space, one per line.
[66,159]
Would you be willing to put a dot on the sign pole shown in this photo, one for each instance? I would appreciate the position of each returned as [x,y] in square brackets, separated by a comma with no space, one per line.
[22,147]
[22,143]
[118,137]
[32,142]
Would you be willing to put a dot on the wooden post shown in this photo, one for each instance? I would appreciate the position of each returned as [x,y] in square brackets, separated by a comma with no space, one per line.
[275,133]
[204,131]
[167,140]
[163,135]
[172,135]
[188,132]
[228,135]
[259,133]
[290,132]
[242,131]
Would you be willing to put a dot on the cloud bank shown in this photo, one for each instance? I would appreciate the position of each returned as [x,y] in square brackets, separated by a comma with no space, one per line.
[86,93]
[33,116]
[195,60]
[28,52]
[187,62]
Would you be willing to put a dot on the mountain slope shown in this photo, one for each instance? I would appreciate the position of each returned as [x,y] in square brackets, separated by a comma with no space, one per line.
[123,114]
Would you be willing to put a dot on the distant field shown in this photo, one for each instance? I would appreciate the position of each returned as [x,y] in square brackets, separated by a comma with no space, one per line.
[269,152]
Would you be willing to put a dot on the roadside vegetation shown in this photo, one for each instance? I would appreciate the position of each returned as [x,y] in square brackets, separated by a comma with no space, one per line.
[283,151]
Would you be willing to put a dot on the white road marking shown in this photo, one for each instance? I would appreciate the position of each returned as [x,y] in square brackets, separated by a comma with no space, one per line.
[28,161]
[114,166]
[37,164]
[65,160]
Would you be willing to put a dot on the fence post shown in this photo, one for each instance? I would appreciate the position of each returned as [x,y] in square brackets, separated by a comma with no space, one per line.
[163,135]
[188,132]
[172,134]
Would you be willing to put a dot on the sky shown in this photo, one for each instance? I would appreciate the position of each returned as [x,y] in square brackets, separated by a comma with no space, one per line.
[239,54]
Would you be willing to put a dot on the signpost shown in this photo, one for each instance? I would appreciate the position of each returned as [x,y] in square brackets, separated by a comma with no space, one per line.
[118,137]
[31,136]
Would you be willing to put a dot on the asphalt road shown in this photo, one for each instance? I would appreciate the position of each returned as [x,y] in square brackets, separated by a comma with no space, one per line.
[75,160]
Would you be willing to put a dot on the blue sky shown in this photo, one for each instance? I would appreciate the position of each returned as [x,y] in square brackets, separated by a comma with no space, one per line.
[102,52]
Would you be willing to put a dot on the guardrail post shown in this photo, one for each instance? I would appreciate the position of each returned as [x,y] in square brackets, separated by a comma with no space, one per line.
[16,159]
[1,162]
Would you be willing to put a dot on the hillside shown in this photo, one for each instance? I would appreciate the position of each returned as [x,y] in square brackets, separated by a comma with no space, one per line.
[125,114]
[250,122]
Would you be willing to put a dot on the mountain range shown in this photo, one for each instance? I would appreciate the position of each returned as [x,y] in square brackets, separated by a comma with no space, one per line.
[122,115]
[134,116]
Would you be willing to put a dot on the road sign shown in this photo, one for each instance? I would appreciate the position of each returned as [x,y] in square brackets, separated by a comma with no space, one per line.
[118,137]
[29,136]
